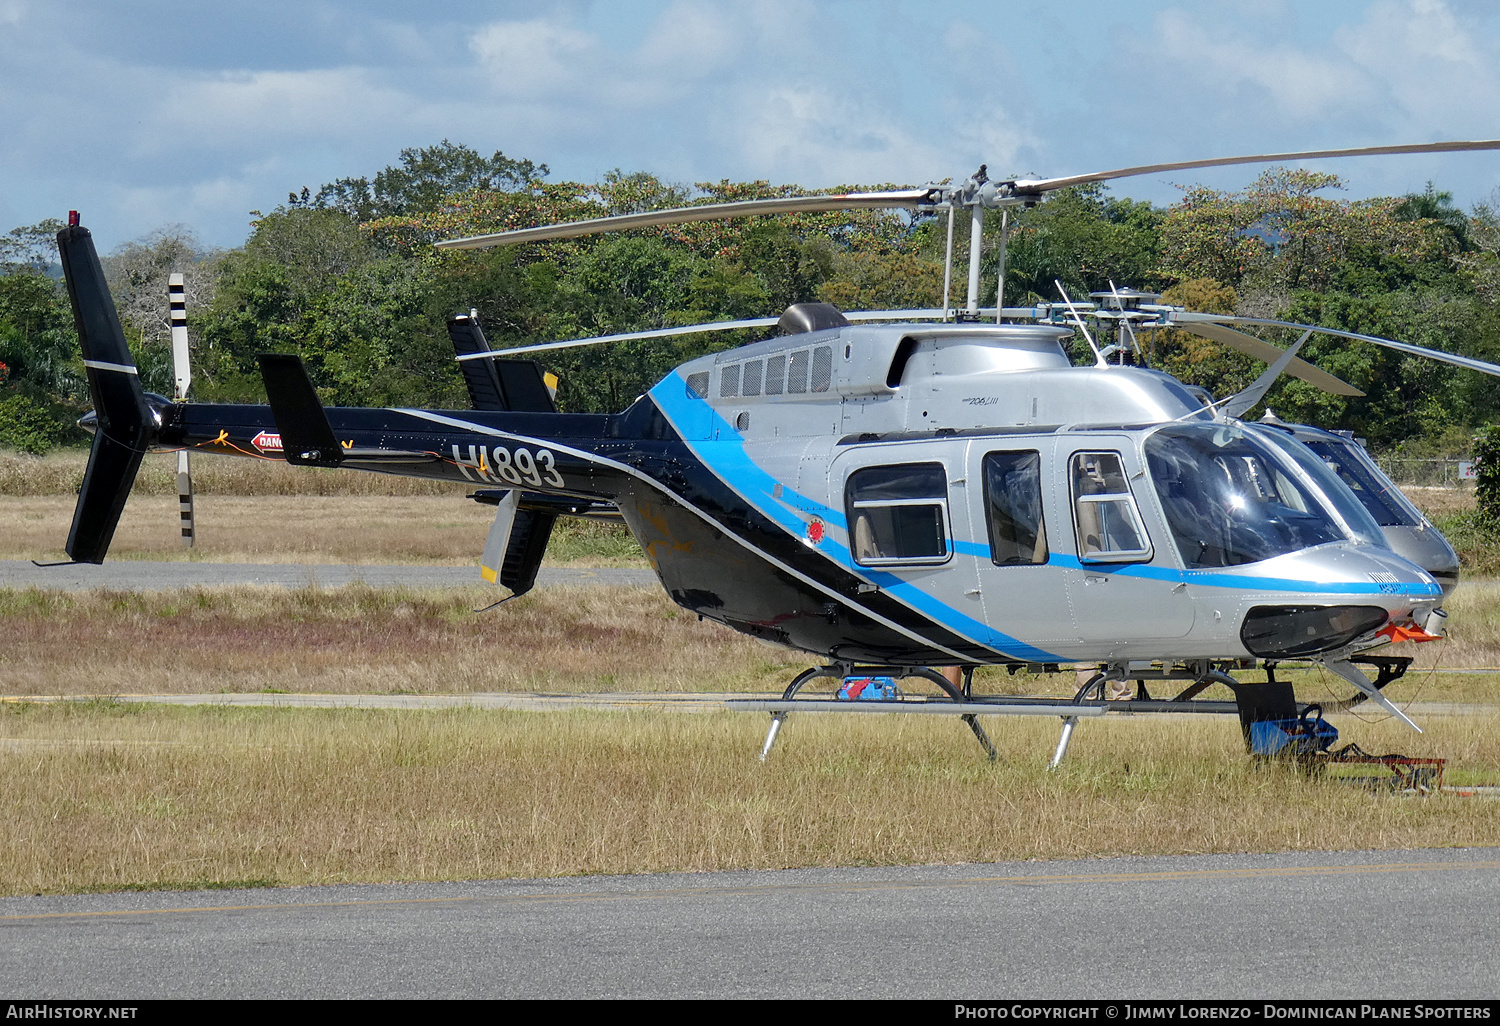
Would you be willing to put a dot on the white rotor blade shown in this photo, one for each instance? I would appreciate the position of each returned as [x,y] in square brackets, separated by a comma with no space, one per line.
[909,198]
[629,336]
[1049,184]
[1267,353]
[694,329]
[1403,347]
[1237,404]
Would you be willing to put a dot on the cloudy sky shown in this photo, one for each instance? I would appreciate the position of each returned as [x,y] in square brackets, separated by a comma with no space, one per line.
[143,113]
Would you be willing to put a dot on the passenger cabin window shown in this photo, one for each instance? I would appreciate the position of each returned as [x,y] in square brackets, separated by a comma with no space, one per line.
[898,514]
[1013,508]
[1104,511]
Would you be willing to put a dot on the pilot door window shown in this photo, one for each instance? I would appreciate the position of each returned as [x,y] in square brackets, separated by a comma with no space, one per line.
[898,514]
[1013,508]
[1104,511]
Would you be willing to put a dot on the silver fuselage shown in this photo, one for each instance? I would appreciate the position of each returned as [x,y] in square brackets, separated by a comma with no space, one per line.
[813,431]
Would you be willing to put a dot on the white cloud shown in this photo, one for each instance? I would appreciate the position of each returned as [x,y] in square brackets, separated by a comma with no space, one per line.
[538,58]
[244,110]
[1211,62]
[1430,63]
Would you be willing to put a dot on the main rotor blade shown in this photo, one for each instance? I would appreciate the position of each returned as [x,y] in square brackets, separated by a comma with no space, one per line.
[1403,347]
[695,329]
[629,336]
[909,198]
[1236,405]
[1253,347]
[1034,185]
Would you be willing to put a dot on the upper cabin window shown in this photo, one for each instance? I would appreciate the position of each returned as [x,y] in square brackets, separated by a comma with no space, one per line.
[796,373]
[729,380]
[822,368]
[775,374]
[1013,508]
[1104,512]
[750,382]
[898,514]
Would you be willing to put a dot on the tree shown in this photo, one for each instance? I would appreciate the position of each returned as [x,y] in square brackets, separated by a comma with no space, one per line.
[1083,238]
[30,247]
[424,180]
[1433,205]
[1279,235]
[138,276]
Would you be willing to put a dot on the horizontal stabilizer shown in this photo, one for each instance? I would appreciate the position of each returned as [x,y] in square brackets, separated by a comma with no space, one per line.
[306,436]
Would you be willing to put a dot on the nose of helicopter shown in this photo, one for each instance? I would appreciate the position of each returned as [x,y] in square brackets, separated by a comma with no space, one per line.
[1352,591]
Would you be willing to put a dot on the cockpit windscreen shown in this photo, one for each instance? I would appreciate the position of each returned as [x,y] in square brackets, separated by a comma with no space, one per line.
[1228,499]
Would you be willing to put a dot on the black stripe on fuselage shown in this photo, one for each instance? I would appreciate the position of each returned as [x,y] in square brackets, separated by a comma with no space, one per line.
[678,490]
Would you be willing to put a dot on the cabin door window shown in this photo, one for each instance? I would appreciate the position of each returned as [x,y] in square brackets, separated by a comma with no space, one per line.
[1013,508]
[898,514]
[1105,515]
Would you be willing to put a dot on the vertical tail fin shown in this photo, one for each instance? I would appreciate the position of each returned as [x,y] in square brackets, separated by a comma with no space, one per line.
[126,423]
[496,384]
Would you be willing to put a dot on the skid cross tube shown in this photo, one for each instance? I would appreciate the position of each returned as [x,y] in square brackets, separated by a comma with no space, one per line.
[842,670]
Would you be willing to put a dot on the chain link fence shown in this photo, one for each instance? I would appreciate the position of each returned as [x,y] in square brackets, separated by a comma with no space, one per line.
[1428,473]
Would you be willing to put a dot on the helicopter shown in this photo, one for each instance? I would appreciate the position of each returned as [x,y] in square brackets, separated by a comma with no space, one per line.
[889,491]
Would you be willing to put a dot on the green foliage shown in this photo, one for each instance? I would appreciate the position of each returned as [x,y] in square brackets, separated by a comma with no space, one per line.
[1487,472]
[422,182]
[27,425]
[40,370]
[31,247]
[1083,238]
[1279,235]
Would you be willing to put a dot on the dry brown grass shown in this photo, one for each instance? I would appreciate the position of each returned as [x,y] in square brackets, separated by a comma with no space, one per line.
[577,639]
[61,473]
[372,640]
[1440,503]
[404,525]
[100,796]
[448,531]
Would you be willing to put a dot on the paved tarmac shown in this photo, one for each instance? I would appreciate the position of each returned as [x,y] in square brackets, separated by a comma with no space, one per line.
[1357,925]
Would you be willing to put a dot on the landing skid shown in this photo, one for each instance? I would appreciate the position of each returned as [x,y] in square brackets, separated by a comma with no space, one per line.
[1253,702]
[842,670]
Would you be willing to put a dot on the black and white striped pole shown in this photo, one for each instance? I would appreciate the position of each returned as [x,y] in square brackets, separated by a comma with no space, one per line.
[183,373]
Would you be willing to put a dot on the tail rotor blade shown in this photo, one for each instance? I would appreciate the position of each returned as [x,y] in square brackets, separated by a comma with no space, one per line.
[182,375]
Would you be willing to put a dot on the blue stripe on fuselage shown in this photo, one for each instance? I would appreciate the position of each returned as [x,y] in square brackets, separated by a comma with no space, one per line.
[727,458]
